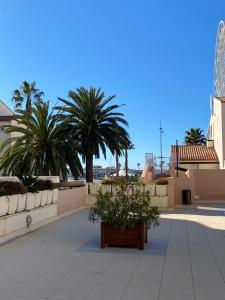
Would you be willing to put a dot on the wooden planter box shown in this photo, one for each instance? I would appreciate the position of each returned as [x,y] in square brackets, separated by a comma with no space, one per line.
[133,237]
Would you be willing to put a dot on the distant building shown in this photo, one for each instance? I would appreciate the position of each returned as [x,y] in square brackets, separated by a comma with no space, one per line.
[6,118]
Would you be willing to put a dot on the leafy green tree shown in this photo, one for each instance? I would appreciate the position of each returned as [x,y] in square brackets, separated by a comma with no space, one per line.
[95,123]
[195,136]
[28,94]
[39,145]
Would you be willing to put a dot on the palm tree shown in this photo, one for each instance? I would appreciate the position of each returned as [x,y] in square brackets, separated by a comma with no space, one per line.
[129,146]
[117,165]
[138,166]
[95,124]
[27,93]
[40,146]
[195,136]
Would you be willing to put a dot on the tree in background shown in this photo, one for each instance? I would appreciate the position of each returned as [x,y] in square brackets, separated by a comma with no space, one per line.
[95,123]
[129,146]
[28,94]
[195,136]
[40,145]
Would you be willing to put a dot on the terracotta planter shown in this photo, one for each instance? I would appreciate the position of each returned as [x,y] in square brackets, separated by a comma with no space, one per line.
[133,237]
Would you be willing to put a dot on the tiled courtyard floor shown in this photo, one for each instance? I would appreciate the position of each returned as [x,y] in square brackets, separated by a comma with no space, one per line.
[62,261]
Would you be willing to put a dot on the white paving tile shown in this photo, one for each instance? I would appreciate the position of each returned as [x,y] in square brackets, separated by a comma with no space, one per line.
[63,261]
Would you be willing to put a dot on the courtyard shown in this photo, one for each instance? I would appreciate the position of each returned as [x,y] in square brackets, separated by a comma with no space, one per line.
[62,261]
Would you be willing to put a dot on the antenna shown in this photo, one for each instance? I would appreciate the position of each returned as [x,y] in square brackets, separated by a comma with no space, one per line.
[161,154]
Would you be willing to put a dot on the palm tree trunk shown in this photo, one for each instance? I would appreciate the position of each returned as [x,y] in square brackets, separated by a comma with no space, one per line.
[126,163]
[28,105]
[89,168]
[117,165]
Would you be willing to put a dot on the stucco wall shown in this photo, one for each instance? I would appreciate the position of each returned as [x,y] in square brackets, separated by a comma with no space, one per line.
[210,184]
[71,199]
[203,166]
[175,187]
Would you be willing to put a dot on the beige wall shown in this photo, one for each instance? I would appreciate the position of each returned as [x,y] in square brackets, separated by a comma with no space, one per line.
[71,199]
[200,166]
[3,135]
[210,184]
[175,187]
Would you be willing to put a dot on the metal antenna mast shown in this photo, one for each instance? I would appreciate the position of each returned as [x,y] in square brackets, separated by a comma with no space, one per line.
[161,155]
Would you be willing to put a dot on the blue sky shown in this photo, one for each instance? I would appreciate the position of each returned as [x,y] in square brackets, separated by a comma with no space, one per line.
[156,56]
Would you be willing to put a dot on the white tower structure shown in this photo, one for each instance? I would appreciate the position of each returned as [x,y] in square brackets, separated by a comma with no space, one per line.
[219,81]
[217,103]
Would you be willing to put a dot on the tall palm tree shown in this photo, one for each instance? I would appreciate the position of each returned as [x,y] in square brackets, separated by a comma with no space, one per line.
[95,123]
[40,146]
[129,146]
[117,165]
[195,136]
[28,94]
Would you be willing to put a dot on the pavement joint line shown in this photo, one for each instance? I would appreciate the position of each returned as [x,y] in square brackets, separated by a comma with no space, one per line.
[190,261]
[214,255]
[98,280]
[164,262]
[132,275]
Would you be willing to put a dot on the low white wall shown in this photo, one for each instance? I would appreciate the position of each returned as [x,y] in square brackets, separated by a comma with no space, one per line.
[16,210]
[21,202]
[15,225]
[158,193]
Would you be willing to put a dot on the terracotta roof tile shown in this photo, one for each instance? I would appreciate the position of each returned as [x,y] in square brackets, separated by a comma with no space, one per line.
[195,152]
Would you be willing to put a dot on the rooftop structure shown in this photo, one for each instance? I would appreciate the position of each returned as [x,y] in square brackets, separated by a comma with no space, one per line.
[6,114]
[195,153]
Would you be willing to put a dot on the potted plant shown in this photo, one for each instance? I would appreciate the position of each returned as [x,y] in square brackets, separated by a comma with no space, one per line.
[39,191]
[125,214]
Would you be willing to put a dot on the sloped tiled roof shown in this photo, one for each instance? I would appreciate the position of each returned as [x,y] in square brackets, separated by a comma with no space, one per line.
[195,153]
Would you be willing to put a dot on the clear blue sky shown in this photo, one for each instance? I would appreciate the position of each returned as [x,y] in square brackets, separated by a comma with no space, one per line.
[156,56]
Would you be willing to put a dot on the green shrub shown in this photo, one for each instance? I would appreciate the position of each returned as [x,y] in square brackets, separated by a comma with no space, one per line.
[34,185]
[42,185]
[8,188]
[108,181]
[120,180]
[125,207]
[162,181]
